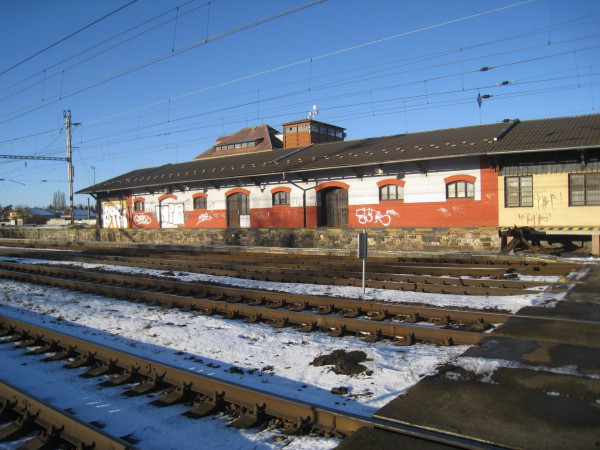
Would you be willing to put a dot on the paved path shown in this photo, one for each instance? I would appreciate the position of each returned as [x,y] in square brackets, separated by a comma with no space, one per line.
[543,394]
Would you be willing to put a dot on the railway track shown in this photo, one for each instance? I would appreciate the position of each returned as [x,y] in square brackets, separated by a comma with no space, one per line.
[306,313]
[54,428]
[403,324]
[205,395]
[335,316]
[440,277]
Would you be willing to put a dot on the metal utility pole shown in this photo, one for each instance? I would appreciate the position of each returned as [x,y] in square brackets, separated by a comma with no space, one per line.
[67,117]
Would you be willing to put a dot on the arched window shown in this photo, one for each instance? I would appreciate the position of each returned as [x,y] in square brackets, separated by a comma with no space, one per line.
[200,202]
[138,205]
[281,198]
[460,189]
[391,190]
[281,195]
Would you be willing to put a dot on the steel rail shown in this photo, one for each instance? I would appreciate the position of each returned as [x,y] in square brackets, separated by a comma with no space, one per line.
[339,304]
[58,426]
[233,294]
[298,414]
[376,277]
[342,277]
[305,321]
[482,266]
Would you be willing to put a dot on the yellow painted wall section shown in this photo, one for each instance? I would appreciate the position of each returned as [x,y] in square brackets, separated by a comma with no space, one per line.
[550,206]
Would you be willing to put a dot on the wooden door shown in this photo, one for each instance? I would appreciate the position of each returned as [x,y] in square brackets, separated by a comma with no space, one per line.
[237,205]
[334,207]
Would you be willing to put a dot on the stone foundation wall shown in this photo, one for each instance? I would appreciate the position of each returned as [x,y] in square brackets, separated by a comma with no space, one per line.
[484,239]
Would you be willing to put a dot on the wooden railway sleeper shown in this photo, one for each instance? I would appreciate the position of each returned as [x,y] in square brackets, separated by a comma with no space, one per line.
[253,319]
[338,331]
[175,395]
[31,342]
[279,323]
[49,437]
[82,360]
[414,318]
[102,369]
[16,336]
[48,347]
[381,315]
[128,376]
[205,405]
[231,314]
[69,352]
[352,313]
[275,304]
[22,426]
[326,309]
[301,428]
[299,306]
[154,382]
[7,331]
[209,311]
[372,337]
[257,301]
[308,327]
[250,418]
[235,298]
[406,340]
[7,410]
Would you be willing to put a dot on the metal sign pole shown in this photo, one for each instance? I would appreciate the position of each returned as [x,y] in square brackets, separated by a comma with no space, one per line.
[362,253]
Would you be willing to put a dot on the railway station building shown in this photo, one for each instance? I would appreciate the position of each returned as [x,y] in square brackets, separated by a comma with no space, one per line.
[542,174]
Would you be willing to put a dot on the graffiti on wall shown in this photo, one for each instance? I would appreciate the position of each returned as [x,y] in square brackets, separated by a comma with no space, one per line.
[142,219]
[545,199]
[449,212]
[534,219]
[113,215]
[370,215]
[205,217]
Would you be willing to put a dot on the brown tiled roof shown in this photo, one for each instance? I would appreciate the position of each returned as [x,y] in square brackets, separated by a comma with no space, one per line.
[493,139]
[264,135]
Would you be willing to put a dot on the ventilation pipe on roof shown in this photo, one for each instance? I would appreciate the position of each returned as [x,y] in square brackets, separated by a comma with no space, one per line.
[507,129]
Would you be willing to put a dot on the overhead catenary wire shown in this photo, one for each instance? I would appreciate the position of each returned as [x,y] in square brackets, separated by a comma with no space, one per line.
[289,94]
[66,37]
[143,64]
[265,111]
[62,71]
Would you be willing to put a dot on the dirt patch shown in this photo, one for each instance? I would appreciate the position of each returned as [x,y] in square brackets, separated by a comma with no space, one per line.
[344,363]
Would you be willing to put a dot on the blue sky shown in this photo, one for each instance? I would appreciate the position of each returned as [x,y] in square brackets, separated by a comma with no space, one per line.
[157,82]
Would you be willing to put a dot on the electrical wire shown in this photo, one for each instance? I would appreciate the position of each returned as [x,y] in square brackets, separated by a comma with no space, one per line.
[66,37]
[143,64]
[61,72]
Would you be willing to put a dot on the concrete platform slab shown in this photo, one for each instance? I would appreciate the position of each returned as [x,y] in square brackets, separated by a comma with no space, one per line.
[506,415]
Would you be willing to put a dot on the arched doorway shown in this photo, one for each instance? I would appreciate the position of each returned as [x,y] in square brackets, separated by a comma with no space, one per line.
[334,207]
[238,211]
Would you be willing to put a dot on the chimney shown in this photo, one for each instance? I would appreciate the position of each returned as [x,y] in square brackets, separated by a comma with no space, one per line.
[309,131]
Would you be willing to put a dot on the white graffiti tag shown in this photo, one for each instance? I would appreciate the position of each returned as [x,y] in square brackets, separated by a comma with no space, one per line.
[113,216]
[369,215]
[203,218]
[142,219]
